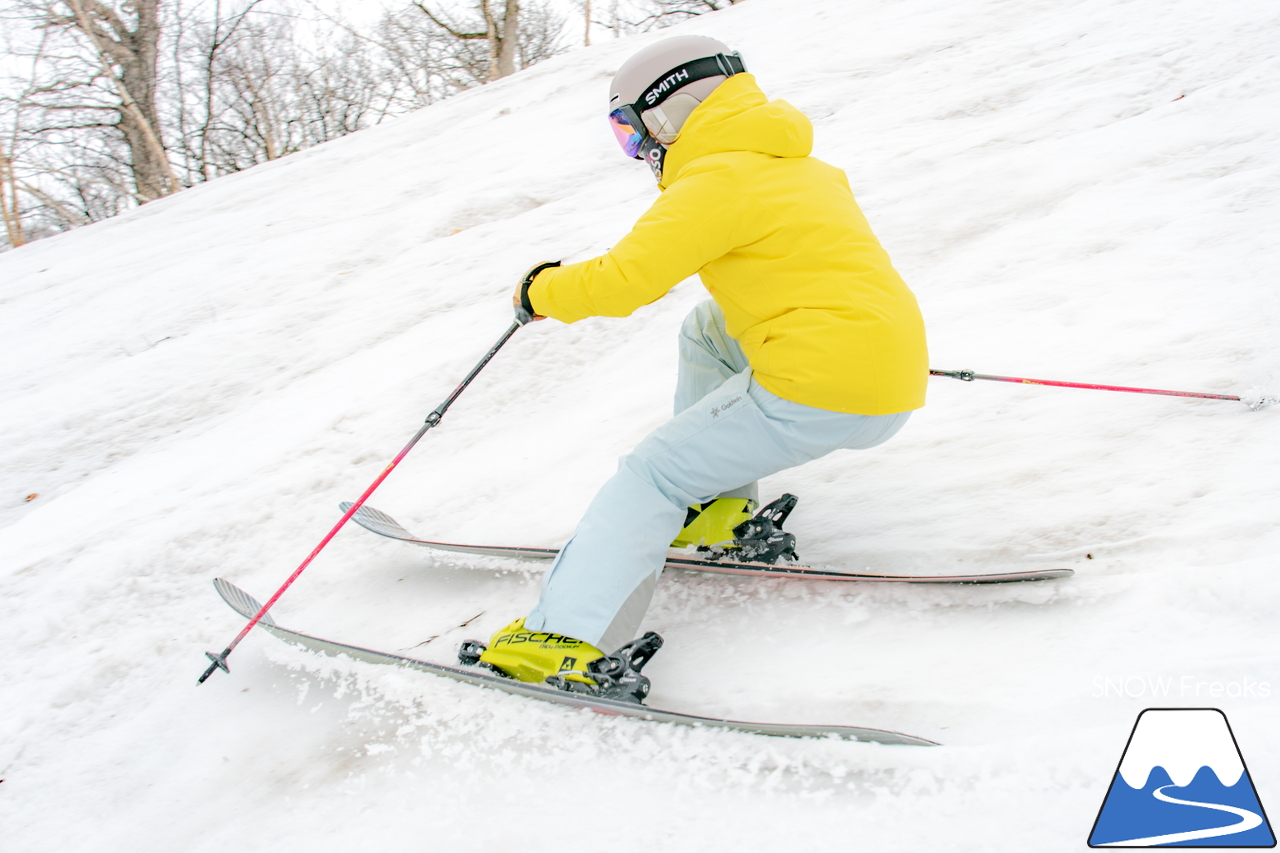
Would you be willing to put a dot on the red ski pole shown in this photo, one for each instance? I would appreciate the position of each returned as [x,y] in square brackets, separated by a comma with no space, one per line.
[220,660]
[969,376]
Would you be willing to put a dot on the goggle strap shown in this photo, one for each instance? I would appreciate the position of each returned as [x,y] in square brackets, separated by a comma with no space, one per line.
[722,64]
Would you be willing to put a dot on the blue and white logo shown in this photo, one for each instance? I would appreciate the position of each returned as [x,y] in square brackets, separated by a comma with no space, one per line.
[1182,783]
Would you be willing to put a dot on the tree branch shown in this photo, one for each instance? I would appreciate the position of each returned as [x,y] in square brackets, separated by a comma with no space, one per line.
[448,29]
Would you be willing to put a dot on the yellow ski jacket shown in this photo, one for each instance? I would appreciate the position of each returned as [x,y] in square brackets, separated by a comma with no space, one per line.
[781,245]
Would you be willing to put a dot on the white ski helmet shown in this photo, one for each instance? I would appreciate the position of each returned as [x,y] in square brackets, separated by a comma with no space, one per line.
[656,90]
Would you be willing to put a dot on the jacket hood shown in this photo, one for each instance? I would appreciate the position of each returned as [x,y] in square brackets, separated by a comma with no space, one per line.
[738,117]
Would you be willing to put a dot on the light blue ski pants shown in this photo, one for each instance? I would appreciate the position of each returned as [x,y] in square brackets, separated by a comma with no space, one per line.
[727,433]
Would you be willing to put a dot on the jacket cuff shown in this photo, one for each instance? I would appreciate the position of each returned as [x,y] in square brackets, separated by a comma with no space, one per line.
[527,282]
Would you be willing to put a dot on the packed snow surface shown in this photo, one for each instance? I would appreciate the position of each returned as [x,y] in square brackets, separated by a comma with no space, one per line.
[1084,191]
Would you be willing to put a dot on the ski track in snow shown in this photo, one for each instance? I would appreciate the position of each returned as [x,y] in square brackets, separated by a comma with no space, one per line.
[1083,191]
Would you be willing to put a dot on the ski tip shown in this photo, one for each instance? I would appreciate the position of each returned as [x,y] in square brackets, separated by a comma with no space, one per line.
[902,740]
[241,602]
[1019,577]
[1052,574]
[861,735]
[376,521]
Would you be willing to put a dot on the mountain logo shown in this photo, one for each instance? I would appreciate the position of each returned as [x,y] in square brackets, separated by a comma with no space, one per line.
[1182,783]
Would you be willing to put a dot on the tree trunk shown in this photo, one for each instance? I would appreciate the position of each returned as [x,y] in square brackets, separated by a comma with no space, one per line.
[510,39]
[9,202]
[502,35]
[494,38]
[129,59]
[141,127]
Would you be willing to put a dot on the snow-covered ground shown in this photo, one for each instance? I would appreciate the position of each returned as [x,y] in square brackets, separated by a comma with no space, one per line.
[1084,190]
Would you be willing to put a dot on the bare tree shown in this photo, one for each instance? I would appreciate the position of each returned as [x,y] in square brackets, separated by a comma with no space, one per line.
[631,16]
[250,116]
[263,96]
[127,52]
[502,32]
[690,8]
[10,139]
[130,100]
[65,162]
[9,204]
[416,69]
[336,92]
[221,33]
[540,34]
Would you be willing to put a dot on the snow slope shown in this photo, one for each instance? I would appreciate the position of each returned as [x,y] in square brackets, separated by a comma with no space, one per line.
[1082,190]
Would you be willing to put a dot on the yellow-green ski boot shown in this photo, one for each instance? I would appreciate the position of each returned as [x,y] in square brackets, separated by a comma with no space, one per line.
[712,523]
[565,663]
[536,655]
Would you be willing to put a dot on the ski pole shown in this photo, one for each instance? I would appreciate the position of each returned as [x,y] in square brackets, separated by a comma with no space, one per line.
[969,376]
[220,660]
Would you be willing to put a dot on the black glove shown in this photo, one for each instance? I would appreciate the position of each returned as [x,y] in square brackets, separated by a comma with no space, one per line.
[524,308]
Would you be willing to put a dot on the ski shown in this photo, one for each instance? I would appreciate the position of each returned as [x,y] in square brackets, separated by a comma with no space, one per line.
[384,525]
[244,604]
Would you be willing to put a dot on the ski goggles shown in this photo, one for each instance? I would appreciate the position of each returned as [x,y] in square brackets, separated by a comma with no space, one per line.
[628,127]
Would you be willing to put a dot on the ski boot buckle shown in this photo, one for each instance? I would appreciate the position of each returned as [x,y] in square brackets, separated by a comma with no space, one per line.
[616,676]
[761,539]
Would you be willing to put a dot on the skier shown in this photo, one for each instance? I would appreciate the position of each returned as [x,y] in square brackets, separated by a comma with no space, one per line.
[810,343]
